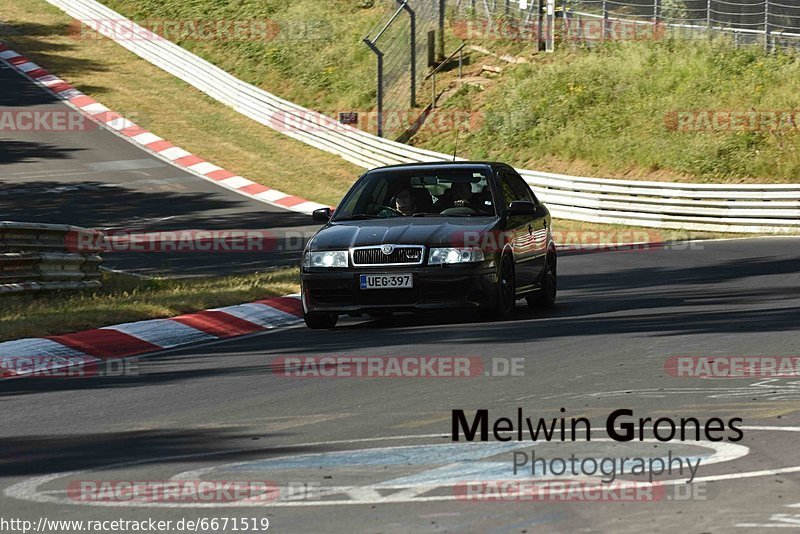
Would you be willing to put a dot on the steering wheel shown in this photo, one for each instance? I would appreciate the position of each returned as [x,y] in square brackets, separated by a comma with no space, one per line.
[459,210]
[372,203]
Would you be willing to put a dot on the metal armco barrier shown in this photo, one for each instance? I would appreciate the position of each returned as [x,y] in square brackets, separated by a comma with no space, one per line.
[703,207]
[35,257]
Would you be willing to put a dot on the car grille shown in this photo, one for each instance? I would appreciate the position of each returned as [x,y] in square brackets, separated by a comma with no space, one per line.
[400,255]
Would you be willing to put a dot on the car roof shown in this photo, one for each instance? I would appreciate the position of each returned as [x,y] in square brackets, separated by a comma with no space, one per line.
[438,165]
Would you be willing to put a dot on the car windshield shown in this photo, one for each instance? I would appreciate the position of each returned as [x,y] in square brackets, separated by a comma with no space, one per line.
[419,193]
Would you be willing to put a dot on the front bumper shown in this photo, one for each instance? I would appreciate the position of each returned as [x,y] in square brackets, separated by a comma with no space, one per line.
[435,287]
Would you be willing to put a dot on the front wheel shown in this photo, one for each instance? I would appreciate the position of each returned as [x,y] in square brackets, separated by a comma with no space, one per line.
[321,320]
[546,296]
[506,292]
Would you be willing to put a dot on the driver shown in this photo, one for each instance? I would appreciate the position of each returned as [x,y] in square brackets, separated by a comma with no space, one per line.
[402,204]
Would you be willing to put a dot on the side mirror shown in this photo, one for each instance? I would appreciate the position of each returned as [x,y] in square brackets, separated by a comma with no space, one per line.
[322,215]
[522,207]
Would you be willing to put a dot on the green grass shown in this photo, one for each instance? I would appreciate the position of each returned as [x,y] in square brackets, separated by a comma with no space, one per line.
[612,112]
[124,299]
[317,58]
[603,111]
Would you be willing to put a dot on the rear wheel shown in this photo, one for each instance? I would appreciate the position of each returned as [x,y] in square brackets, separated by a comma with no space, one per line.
[506,292]
[321,320]
[546,296]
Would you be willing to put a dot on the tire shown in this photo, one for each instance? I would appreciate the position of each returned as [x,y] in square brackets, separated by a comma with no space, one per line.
[320,320]
[546,297]
[506,298]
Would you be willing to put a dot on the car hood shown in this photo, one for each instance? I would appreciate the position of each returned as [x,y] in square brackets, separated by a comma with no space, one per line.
[429,231]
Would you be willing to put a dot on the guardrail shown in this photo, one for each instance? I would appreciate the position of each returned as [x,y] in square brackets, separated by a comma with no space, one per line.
[709,207]
[35,257]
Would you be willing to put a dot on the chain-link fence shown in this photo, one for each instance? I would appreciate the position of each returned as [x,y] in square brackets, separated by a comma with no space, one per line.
[401,45]
[766,22]
[403,42]
[773,23]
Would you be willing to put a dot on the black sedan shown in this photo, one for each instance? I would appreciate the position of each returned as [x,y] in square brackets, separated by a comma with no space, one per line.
[430,236]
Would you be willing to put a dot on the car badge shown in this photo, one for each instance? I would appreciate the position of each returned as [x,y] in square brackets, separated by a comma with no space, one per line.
[387,249]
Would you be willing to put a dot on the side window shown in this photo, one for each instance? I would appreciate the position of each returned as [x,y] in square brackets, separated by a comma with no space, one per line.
[523,191]
[513,187]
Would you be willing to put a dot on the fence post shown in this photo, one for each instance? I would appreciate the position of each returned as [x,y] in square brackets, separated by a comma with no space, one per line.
[605,20]
[440,37]
[413,44]
[379,55]
[766,27]
[708,17]
[656,14]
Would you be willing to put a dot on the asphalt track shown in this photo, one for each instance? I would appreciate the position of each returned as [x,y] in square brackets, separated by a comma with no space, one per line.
[95,178]
[220,412]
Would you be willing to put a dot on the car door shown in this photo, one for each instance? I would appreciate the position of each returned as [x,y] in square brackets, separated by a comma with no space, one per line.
[537,222]
[519,228]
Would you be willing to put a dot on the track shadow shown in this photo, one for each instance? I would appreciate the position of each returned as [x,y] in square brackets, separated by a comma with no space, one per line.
[37,455]
[29,151]
[35,41]
[124,374]
[645,300]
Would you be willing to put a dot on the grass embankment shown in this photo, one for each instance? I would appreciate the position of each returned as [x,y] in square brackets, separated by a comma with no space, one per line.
[610,111]
[124,299]
[640,110]
[605,112]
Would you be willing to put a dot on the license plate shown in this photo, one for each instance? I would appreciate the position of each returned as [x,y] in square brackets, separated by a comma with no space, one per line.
[386,281]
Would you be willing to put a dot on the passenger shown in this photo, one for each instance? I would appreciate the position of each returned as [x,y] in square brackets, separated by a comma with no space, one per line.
[458,196]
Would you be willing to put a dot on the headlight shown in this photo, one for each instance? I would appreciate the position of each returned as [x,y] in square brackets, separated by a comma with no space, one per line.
[455,255]
[330,258]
